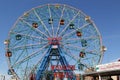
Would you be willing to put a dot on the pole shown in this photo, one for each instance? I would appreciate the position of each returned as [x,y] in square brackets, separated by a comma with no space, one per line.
[81,77]
[99,77]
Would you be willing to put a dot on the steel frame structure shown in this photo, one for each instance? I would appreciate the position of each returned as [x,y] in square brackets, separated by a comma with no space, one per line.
[48,58]
[29,47]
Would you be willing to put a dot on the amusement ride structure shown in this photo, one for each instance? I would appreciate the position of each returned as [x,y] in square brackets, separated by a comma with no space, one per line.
[52,41]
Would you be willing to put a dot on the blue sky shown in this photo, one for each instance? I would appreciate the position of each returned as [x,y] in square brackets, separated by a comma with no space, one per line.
[104,13]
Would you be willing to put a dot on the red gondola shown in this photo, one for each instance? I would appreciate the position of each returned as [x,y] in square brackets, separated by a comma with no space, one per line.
[62,22]
[32,76]
[79,34]
[82,54]
[8,54]
[35,25]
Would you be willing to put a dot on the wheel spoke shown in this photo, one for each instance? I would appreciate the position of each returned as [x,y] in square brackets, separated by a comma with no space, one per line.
[73,47]
[27,46]
[68,53]
[74,57]
[74,31]
[41,22]
[35,28]
[30,36]
[62,13]
[51,17]
[36,65]
[29,56]
[69,23]
[79,39]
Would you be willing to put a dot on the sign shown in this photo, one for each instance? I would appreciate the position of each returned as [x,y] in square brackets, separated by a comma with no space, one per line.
[63,75]
[54,41]
[63,67]
[108,67]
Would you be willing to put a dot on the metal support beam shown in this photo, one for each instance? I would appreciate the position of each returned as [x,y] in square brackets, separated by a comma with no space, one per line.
[60,58]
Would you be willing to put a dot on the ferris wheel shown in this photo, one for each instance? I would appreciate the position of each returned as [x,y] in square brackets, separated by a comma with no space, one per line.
[50,30]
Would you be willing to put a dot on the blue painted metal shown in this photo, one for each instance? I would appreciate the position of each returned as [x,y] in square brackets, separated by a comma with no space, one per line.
[45,63]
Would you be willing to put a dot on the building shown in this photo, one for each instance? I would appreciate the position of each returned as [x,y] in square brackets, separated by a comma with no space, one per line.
[105,71]
[2,77]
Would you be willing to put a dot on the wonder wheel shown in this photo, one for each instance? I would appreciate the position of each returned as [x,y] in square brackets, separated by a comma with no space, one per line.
[52,34]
